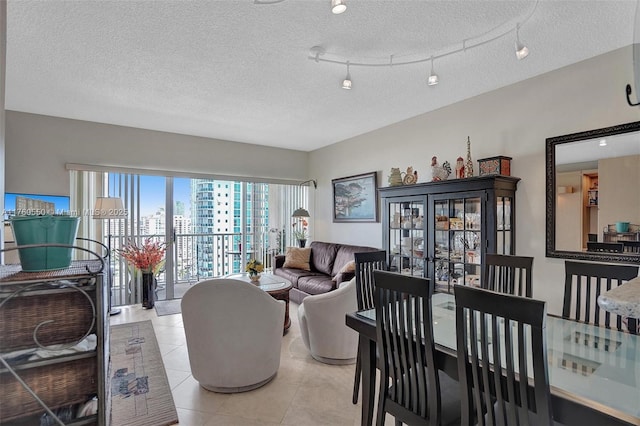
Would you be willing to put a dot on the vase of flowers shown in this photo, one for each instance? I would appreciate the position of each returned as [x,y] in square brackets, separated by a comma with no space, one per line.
[300,231]
[148,258]
[254,268]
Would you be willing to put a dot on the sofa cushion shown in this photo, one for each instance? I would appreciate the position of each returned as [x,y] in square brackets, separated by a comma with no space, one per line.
[316,284]
[345,255]
[348,268]
[293,274]
[322,256]
[297,258]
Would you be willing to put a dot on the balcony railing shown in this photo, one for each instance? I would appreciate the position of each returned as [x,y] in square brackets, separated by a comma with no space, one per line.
[195,257]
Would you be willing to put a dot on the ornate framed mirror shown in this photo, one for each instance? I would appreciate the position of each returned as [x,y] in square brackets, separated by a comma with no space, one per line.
[593,194]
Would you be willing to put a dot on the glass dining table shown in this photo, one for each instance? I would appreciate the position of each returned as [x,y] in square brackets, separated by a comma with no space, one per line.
[594,372]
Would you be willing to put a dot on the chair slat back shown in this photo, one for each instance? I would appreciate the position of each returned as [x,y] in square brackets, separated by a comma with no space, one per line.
[410,386]
[499,384]
[366,263]
[508,274]
[631,246]
[584,282]
[604,247]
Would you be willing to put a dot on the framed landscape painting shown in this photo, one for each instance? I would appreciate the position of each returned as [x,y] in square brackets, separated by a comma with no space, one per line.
[355,198]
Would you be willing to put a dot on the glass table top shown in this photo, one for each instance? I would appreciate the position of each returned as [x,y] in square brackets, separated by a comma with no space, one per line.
[268,282]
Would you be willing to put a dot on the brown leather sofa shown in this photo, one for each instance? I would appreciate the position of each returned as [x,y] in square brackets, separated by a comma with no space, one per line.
[327,259]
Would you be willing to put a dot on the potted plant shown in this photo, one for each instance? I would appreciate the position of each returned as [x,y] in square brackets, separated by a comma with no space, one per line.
[254,267]
[300,231]
[148,258]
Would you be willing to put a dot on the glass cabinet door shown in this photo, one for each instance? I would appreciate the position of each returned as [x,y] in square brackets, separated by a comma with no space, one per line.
[406,238]
[457,240]
[504,226]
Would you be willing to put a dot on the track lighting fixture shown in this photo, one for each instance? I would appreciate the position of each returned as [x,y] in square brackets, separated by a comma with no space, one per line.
[522,51]
[433,77]
[346,83]
[319,54]
[338,6]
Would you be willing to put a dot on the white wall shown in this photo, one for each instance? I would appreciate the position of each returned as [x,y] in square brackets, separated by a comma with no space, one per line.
[618,203]
[512,121]
[38,147]
[569,207]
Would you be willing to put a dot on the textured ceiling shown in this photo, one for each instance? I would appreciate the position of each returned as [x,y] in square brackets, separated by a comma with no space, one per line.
[240,71]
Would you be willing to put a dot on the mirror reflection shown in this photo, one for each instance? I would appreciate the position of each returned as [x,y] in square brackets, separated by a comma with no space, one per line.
[595,193]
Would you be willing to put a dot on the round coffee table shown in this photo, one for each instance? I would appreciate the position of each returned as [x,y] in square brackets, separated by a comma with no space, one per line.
[276,286]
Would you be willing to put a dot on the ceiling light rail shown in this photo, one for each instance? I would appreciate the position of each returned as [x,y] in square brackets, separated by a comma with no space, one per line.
[316,53]
[337,6]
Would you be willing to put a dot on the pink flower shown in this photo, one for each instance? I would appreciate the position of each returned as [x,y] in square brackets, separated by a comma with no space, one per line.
[147,257]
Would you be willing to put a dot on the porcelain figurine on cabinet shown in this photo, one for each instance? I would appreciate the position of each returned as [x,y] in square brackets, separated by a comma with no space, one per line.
[439,172]
[411,176]
[395,178]
[460,168]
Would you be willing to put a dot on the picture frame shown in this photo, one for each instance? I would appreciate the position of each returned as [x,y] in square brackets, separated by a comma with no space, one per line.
[355,198]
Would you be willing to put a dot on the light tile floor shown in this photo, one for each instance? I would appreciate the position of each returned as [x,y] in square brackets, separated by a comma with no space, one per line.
[305,392]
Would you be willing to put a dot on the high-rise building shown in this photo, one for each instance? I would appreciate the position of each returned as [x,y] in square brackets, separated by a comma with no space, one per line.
[31,206]
[218,209]
[178,209]
[153,224]
[183,247]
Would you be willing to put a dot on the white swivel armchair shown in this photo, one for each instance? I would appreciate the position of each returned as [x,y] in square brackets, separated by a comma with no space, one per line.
[323,328]
[234,334]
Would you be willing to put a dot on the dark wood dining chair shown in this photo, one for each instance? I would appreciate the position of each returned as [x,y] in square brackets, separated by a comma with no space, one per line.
[584,282]
[604,247]
[508,274]
[366,263]
[410,382]
[494,326]
[631,246]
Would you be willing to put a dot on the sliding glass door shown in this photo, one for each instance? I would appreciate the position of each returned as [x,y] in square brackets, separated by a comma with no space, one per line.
[211,227]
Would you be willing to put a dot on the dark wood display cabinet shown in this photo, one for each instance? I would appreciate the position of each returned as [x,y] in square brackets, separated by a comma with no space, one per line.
[443,230]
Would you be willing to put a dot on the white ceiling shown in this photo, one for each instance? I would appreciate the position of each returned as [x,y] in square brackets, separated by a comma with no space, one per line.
[240,71]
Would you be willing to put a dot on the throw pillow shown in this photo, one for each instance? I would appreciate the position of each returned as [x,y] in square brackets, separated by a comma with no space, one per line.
[349,267]
[297,258]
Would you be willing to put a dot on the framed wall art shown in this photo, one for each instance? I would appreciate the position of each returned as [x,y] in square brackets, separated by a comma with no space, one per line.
[355,198]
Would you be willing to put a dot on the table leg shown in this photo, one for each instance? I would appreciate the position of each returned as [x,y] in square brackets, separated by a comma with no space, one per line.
[368,368]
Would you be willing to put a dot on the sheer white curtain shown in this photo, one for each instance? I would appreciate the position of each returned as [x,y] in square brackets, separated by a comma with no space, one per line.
[86,186]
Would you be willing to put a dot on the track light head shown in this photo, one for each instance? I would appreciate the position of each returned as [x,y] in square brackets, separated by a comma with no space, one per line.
[433,77]
[346,83]
[338,6]
[522,51]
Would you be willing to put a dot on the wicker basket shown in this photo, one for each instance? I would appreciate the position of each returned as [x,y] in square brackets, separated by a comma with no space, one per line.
[58,385]
[69,309]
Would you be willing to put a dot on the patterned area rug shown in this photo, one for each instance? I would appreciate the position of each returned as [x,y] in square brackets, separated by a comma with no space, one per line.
[140,392]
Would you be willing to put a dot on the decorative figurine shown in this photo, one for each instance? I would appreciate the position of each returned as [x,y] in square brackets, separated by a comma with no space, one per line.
[460,168]
[439,172]
[410,177]
[468,168]
[395,178]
